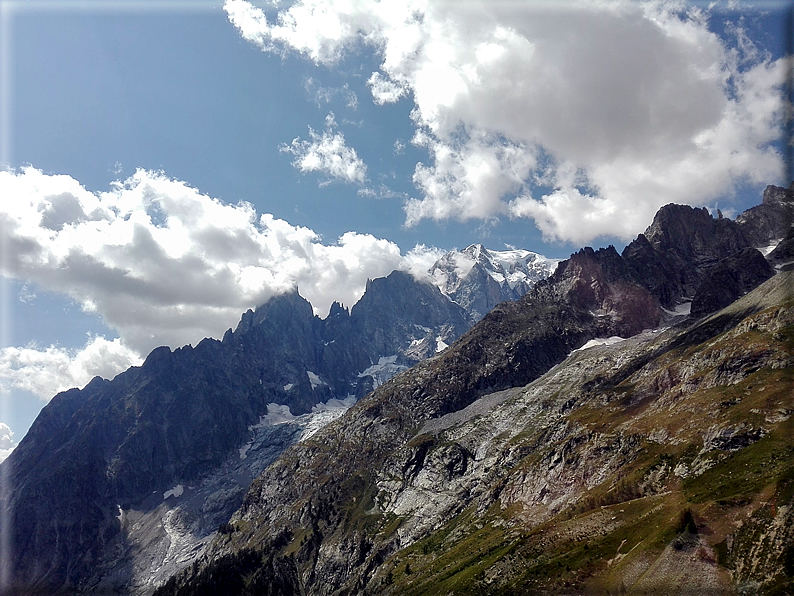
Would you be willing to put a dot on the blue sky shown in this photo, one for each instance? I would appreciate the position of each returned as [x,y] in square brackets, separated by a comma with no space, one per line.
[166,165]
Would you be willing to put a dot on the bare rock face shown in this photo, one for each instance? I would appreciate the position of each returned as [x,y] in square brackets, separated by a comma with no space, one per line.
[673,255]
[783,254]
[771,219]
[729,280]
[677,252]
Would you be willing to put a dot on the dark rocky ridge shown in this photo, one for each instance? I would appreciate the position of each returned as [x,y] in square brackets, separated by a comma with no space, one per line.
[772,219]
[674,255]
[783,253]
[729,280]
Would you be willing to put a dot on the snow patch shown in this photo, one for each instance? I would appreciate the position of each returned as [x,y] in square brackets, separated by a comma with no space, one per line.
[276,414]
[765,250]
[440,345]
[288,386]
[323,414]
[174,492]
[683,308]
[780,266]
[385,369]
[601,341]
[497,277]
[314,380]
[334,404]
[320,415]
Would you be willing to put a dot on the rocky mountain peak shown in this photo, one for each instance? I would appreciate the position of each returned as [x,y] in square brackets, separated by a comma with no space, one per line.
[337,310]
[690,232]
[602,283]
[770,221]
[777,195]
[677,250]
[476,252]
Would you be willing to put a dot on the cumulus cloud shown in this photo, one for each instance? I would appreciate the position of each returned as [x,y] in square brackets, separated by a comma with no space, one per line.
[385,90]
[639,100]
[420,259]
[7,442]
[327,153]
[162,264]
[45,372]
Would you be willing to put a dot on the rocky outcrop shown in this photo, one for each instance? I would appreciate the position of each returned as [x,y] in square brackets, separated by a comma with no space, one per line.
[772,219]
[729,280]
[682,245]
[783,253]
[674,254]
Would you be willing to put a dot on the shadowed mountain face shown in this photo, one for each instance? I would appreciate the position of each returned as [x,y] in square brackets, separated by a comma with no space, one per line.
[770,221]
[675,254]
[96,458]
[729,280]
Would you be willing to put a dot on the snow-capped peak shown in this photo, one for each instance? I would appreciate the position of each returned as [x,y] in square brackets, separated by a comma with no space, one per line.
[463,275]
[507,267]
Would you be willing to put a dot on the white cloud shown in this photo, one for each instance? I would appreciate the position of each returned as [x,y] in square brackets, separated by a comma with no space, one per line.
[467,179]
[385,90]
[162,264]
[639,98]
[420,259]
[327,153]
[45,372]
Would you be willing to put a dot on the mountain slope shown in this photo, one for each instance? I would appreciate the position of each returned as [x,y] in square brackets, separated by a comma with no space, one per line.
[515,343]
[550,485]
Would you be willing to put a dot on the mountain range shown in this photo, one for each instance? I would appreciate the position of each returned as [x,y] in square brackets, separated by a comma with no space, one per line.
[623,423]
